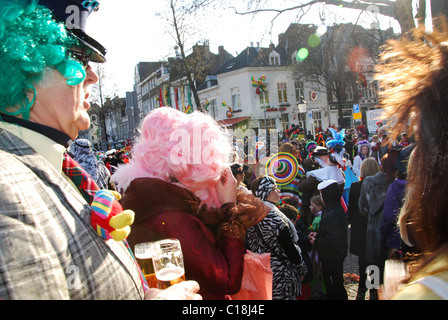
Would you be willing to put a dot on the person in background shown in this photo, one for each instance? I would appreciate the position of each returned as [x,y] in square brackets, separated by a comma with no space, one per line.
[81,151]
[364,152]
[349,144]
[238,171]
[358,222]
[331,240]
[318,291]
[277,235]
[371,204]
[414,73]
[392,206]
[48,248]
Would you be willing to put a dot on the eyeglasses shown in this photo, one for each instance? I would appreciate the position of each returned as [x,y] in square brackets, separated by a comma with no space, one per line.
[91,4]
[80,57]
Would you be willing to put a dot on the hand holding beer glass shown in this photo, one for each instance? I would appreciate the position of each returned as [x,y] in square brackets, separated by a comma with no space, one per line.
[168,262]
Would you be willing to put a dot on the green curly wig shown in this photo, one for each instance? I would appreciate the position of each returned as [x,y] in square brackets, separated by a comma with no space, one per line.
[31,42]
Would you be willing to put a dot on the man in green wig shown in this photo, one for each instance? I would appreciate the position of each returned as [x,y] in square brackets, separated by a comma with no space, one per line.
[48,247]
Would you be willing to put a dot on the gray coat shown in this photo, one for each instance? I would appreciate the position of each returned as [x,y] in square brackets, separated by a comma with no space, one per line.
[371,202]
[48,249]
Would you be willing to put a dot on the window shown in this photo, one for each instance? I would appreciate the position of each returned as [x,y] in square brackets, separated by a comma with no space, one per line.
[236,102]
[236,99]
[372,90]
[264,98]
[349,94]
[299,86]
[282,92]
[270,124]
[274,61]
[317,118]
[213,109]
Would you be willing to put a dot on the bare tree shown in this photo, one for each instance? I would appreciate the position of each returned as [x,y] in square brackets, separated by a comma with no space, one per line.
[104,89]
[400,10]
[183,21]
[334,63]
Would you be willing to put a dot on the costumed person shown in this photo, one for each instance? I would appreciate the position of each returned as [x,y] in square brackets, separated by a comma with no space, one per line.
[47,234]
[331,240]
[238,171]
[290,190]
[308,162]
[338,154]
[189,193]
[277,235]
[332,169]
[81,151]
[364,151]
[414,74]
[308,184]
[363,134]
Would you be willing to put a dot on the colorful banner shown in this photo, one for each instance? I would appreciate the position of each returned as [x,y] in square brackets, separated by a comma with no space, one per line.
[229,113]
[260,84]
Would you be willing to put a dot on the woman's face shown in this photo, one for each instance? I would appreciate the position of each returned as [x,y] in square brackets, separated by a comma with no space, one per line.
[274,195]
[61,106]
[365,150]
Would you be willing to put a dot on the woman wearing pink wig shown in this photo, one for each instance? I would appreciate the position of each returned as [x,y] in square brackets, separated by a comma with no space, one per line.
[179,185]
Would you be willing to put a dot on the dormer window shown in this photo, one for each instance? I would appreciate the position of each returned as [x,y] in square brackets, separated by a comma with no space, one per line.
[274,58]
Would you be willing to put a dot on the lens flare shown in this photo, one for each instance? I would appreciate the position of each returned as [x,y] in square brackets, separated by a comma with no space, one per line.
[302,54]
[313,40]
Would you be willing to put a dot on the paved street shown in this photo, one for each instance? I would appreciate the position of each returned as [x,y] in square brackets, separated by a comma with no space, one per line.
[351,266]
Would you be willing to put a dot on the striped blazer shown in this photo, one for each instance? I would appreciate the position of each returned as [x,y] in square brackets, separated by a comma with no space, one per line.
[48,249]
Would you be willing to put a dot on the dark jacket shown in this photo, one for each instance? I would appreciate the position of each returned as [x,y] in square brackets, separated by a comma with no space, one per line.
[392,206]
[331,240]
[358,222]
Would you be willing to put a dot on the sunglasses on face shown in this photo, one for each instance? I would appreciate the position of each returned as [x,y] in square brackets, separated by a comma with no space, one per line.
[82,58]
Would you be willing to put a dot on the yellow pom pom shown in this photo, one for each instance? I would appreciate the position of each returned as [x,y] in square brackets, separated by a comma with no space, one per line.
[121,234]
[123,219]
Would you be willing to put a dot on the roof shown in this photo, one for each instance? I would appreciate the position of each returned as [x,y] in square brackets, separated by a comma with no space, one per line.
[249,57]
[232,121]
[145,69]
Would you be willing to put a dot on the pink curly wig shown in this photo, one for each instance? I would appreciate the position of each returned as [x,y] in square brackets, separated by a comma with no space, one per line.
[189,150]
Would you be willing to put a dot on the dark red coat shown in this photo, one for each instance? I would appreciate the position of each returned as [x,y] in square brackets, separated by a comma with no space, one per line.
[164,210]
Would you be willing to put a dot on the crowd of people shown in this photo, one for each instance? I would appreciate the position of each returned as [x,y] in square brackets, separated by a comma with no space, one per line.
[389,188]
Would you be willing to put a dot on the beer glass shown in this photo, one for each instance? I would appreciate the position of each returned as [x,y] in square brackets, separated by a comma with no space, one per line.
[143,255]
[168,262]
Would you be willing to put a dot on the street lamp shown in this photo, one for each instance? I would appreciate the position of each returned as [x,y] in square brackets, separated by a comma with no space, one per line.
[301,105]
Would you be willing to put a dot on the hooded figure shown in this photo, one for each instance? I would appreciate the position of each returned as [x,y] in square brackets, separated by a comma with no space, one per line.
[331,240]
[361,156]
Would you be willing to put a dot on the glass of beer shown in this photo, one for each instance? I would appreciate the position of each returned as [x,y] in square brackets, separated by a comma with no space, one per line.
[168,262]
[143,255]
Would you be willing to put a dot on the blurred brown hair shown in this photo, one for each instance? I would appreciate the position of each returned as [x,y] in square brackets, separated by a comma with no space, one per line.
[414,73]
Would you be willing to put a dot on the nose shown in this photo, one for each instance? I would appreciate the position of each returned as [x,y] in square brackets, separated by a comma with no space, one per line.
[91,76]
